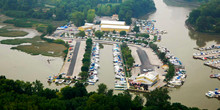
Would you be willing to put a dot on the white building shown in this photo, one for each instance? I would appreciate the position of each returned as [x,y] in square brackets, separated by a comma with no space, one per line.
[149,78]
[118,23]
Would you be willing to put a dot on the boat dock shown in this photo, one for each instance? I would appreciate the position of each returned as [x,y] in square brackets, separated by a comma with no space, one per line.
[214,64]
[120,79]
[211,52]
[208,48]
[214,54]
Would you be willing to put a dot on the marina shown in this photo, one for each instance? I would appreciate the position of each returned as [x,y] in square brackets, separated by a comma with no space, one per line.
[180,73]
[192,90]
[93,70]
[120,78]
[180,41]
[213,64]
[214,54]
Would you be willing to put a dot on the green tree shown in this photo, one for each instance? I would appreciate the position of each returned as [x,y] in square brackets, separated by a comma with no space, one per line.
[122,33]
[136,29]
[90,15]
[144,35]
[99,34]
[171,72]
[50,29]
[137,103]
[37,86]
[77,18]
[82,34]
[48,93]
[102,88]
[114,32]
[84,75]
[158,99]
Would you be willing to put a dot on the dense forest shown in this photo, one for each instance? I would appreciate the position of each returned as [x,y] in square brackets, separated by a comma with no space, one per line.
[19,95]
[206,18]
[75,10]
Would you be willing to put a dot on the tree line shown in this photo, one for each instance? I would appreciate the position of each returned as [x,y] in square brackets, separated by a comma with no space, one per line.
[22,95]
[206,18]
[86,60]
[127,57]
[162,57]
[77,11]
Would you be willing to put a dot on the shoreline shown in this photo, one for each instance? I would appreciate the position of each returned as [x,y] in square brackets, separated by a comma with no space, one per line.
[192,28]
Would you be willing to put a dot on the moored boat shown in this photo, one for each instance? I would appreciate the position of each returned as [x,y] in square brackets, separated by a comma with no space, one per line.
[215,75]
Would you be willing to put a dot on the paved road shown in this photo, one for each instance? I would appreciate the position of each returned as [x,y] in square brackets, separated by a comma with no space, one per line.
[73,60]
[145,62]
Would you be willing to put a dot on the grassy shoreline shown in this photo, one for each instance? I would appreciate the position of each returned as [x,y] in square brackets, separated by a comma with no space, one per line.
[12,33]
[39,44]
[37,47]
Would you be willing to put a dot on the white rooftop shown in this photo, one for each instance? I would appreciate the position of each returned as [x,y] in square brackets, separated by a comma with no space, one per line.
[86,26]
[149,75]
[115,27]
[112,22]
[89,24]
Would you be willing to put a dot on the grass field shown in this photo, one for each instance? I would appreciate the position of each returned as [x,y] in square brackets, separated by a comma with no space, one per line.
[37,46]
[7,33]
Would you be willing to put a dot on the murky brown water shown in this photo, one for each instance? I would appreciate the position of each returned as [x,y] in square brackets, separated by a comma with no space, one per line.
[19,65]
[181,42]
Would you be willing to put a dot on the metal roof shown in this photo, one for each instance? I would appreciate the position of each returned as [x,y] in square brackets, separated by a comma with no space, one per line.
[115,27]
[112,22]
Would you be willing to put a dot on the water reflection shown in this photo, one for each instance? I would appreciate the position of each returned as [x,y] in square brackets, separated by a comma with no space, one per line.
[178,3]
[203,38]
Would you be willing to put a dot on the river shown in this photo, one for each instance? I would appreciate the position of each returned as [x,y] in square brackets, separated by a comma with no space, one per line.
[22,66]
[181,41]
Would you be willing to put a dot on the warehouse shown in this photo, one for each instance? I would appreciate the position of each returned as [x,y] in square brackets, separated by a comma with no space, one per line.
[86,27]
[115,27]
[117,23]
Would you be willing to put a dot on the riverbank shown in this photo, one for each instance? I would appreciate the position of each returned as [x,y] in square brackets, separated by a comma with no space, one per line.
[36,46]
[182,3]
[180,41]
[11,33]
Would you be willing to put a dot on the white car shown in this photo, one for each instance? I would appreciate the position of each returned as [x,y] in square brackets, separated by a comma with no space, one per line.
[145,70]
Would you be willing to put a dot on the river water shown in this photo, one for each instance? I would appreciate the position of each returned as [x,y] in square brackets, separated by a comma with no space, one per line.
[181,41]
[21,66]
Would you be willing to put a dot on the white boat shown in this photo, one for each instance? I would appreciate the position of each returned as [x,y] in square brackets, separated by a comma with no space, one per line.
[94,80]
[68,82]
[120,86]
[210,94]
[170,85]
[118,76]
[176,83]
[61,81]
